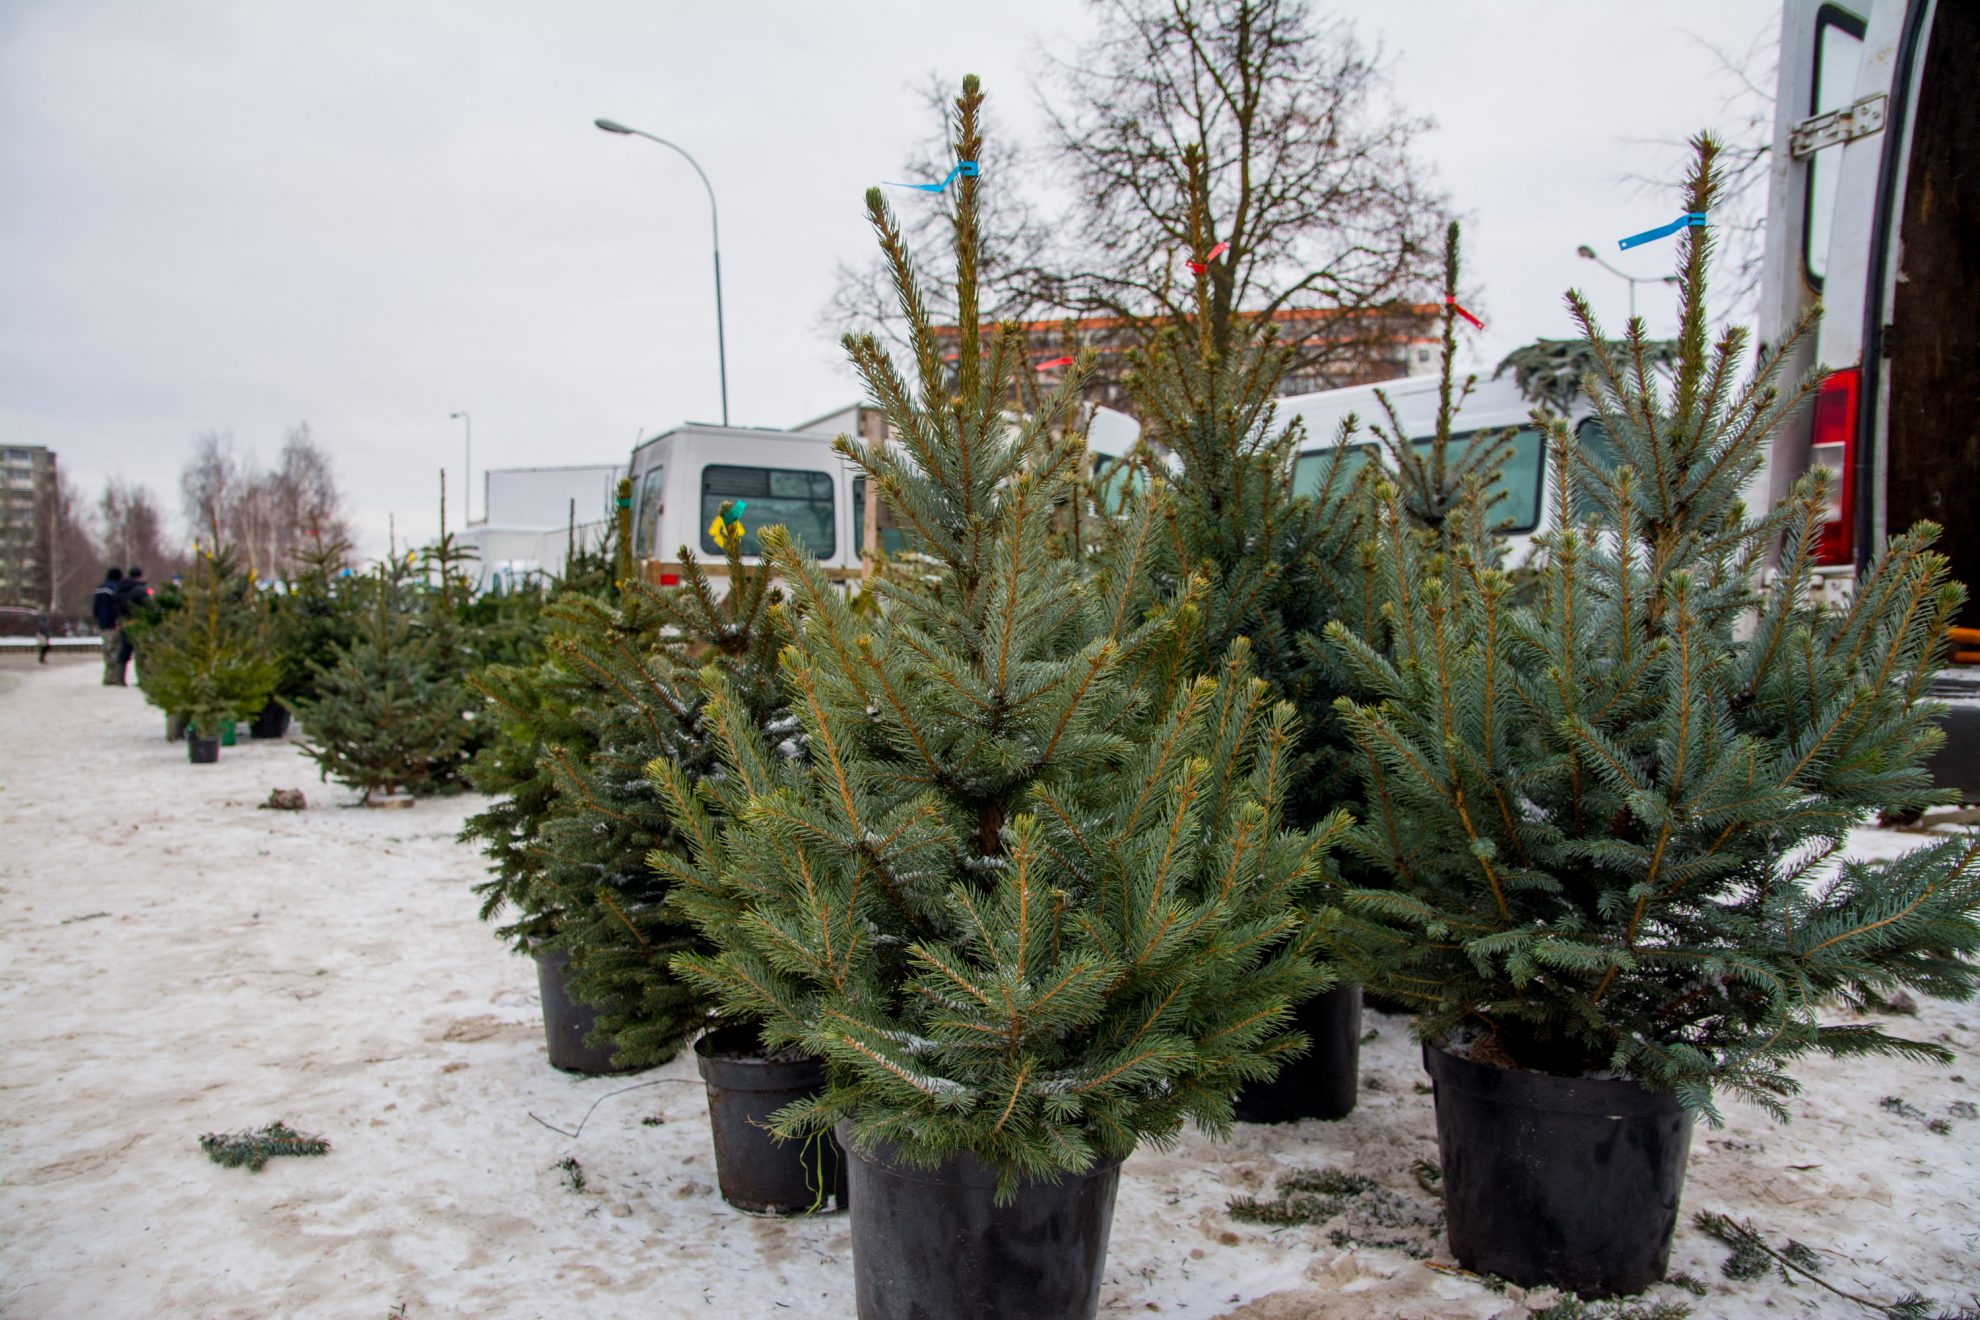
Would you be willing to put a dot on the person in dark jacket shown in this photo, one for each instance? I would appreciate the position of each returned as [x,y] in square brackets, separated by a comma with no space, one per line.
[108,605]
[136,592]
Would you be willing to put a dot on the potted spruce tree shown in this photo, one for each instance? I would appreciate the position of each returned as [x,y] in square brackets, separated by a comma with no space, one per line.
[1608,808]
[1028,918]
[646,662]
[313,617]
[211,661]
[1277,564]
[389,714]
[533,705]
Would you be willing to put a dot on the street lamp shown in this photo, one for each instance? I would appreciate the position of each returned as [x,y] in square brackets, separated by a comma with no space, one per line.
[1589,253]
[467,471]
[715,227]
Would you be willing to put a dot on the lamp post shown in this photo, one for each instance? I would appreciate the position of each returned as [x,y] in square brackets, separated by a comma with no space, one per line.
[1589,254]
[715,228]
[467,471]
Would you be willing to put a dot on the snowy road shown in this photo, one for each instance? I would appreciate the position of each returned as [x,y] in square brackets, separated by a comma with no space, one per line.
[177,962]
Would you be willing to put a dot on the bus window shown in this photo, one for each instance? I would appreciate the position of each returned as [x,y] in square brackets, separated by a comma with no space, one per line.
[892,539]
[1310,469]
[1838,50]
[800,500]
[1592,438]
[646,512]
[1519,483]
[1114,480]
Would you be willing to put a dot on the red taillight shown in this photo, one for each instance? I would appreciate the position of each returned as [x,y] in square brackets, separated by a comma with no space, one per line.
[670,579]
[1834,447]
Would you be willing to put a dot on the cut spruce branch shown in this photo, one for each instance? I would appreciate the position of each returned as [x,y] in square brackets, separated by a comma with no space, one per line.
[254,1148]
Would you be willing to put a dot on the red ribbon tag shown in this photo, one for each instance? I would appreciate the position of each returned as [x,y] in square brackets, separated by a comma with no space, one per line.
[1454,305]
[1055,362]
[1198,267]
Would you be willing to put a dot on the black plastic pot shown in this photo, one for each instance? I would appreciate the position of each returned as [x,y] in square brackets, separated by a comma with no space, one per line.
[1570,1181]
[273,722]
[933,1244]
[566,1023]
[202,751]
[1324,1082]
[175,728]
[756,1171]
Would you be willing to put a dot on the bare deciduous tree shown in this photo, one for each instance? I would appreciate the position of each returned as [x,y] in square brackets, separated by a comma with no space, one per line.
[133,529]
[1312,178]
[74,560]
[267,515]
[1315,187]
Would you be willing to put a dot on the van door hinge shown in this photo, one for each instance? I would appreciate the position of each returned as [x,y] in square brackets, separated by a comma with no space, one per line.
[1845,125]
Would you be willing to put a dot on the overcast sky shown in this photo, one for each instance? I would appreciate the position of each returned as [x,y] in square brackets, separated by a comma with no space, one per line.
[237,216]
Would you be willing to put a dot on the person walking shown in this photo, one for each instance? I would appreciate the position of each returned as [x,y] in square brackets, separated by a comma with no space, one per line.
[106,603]
[42,641]
[135,593]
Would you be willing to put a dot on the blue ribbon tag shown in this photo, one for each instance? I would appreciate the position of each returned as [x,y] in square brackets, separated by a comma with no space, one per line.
[967,167]
[1689,220]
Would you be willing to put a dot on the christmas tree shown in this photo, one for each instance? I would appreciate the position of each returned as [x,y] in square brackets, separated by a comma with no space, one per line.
[1433,477]
[315,615]
[531,703]
[1018,912]
[387,715]
[1277,565]
[212,659]
[641,665]
[1607,812]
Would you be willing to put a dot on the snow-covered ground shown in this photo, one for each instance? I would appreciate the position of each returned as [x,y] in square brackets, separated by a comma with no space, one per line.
[178,962]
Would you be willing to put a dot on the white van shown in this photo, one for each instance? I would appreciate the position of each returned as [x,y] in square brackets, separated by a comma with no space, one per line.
[1874,210]
[1493,406]
[680,479]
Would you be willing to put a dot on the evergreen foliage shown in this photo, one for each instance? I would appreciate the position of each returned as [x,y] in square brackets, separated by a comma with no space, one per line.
[637,663]
[254,1148]
[1433,482]
[1018,912]
[213,658]
[316,615]
[1276,566]
[530,700]
[1606,812]
[388,714]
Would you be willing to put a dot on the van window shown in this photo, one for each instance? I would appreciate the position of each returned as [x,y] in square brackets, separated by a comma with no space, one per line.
[1592,438]
[892,539]
[1838,50]
[646,512]
[801,501]
[1310,469]
[1519,483]
[1114,480]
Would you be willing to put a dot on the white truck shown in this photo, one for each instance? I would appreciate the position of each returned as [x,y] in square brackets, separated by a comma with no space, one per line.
[1874,211]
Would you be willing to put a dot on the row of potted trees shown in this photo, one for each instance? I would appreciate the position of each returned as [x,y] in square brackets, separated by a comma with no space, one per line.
[1068,833]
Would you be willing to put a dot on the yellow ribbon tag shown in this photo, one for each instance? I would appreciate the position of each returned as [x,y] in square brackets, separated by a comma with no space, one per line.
[722,531]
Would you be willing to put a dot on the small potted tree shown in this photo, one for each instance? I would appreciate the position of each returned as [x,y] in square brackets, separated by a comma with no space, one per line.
[211,661]
[1607,808]
[389,715]
[1027,919]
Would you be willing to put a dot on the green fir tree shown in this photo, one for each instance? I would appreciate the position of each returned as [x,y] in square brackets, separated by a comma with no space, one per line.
[213,659]
[1276,565]
[643,664]
[387,715]
[1606,811]
[1020,913]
